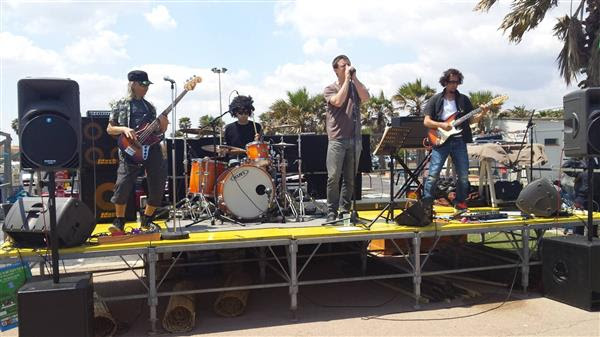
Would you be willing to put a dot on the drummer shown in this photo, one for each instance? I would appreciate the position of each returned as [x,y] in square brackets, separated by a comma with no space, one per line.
[242,131]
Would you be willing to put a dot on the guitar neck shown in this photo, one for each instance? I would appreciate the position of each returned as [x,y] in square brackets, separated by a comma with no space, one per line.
[467,116]
[173,104]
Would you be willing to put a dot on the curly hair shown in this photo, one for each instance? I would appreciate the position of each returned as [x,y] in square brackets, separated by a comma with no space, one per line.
[446,76]
[241,102]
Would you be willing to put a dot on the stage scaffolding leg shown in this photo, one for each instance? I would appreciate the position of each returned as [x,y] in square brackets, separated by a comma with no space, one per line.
[417,268]
[152,293]
[262,263]
[525,259]
[364,248]
[292,264]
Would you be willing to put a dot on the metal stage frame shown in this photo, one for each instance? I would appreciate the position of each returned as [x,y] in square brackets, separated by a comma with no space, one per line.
[519,232]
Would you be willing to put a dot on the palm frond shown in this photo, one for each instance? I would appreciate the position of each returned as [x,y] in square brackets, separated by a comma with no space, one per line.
[572,56]
[593,66]
[525,15]
[484,5]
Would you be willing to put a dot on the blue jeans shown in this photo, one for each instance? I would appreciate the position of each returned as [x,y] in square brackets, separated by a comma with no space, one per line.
[457,149]
[340,160]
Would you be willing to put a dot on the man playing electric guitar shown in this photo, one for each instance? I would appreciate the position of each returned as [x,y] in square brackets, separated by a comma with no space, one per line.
[127,115]
[440,110]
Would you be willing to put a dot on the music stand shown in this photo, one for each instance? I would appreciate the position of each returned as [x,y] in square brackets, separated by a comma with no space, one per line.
[398,138]
[393,138]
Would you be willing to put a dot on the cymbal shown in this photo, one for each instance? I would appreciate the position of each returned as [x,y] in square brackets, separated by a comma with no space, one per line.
[228,149]
[282,144]
[282,126]
[197,131]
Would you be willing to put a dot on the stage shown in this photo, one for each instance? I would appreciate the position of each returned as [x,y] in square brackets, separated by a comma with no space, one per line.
[283,252]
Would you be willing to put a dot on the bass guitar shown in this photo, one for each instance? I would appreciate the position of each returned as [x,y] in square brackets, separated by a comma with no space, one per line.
[149,134]
[439,136]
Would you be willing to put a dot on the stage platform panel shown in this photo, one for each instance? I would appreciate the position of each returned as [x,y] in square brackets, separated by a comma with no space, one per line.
[204,233]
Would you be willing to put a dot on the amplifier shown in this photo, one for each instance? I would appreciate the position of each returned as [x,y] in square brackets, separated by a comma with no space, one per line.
[65,308]
[418,131]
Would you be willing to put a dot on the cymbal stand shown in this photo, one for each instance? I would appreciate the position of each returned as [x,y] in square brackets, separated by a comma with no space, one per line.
[187,208]
[284,194]
[301,210]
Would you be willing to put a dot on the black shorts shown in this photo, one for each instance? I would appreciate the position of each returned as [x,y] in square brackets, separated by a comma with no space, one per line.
[156,173]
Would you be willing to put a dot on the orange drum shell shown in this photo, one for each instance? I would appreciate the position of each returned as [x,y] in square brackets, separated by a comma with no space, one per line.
[202,176]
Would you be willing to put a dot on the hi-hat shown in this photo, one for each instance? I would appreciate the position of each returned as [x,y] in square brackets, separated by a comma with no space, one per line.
[282,144]
[199,132]
[226,148]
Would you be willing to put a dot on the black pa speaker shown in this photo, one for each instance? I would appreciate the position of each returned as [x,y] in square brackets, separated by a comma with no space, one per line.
[28,222]
[98,148]
[413,216]
[57,309]
[571,270]
[539,198]
[582,120]
[49,123]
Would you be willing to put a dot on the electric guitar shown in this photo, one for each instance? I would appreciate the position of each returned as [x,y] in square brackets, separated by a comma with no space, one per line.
[439,136]
[149,134]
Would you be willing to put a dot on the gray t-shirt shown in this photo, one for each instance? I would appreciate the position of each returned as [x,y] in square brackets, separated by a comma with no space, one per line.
[339,120]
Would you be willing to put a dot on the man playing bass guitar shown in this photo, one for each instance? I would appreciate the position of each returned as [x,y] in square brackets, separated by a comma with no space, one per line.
[440,110]
[127,115]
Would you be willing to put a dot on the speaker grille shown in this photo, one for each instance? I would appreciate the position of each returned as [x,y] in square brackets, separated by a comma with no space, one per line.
[49,141]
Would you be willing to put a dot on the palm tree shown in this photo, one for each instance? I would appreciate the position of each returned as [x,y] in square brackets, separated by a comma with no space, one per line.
[184,123]
[412,96]
[517,112]
[207,119]
[479,98]
[580,54]
[552,113]
[304,112]
[15,125]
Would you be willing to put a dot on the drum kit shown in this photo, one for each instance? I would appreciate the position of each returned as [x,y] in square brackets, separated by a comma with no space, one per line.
[240,185]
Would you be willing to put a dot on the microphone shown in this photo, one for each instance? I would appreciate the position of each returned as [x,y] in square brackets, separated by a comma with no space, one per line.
[352,71]
[168,79]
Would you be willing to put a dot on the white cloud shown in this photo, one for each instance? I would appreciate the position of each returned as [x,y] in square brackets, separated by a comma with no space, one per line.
[105,47]
[160,18]
[314,47]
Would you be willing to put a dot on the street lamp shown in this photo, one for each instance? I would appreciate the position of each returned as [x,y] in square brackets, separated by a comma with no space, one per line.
[220,71]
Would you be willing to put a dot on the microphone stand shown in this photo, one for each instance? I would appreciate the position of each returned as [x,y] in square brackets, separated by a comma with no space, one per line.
[529,129]
[171,233]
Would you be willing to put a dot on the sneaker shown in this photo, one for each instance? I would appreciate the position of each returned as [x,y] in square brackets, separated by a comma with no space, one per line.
[331,216]
[461,207]
[118,226]
[148,225]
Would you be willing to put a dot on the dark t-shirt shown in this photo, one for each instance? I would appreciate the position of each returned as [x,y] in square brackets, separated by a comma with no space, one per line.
[139,110]
[239,135]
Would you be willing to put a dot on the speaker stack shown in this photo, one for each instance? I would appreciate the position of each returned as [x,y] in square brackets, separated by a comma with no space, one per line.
[571,264]
[100,160]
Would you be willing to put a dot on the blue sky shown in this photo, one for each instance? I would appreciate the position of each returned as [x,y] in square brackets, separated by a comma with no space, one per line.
[269,48]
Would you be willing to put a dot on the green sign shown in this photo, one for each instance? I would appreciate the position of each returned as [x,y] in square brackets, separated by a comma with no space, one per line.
[12,277]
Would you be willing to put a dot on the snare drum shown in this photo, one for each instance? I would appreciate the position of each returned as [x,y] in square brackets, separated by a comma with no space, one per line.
[203,176]
[258,153]
[246,192]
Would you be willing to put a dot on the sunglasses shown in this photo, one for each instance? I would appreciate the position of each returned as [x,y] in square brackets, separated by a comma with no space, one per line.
[453,82]
[144,83]
[243,112]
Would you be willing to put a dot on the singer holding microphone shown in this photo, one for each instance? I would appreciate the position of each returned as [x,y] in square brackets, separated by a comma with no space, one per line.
[343,132]
[127,115]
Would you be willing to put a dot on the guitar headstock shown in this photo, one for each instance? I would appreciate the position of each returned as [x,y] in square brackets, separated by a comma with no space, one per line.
[498,100]
[190,84]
